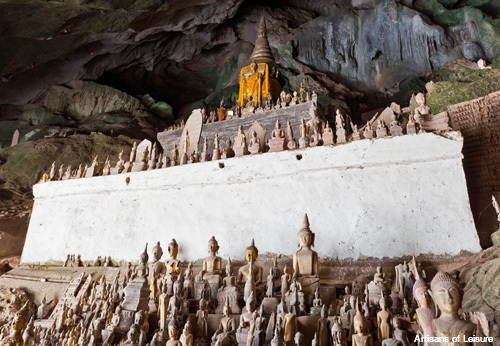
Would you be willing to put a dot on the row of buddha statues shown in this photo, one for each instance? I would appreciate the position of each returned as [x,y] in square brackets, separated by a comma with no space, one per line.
[315,132]
[224,112]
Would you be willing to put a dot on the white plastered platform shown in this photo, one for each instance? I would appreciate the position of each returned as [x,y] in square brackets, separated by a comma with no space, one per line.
[386,197]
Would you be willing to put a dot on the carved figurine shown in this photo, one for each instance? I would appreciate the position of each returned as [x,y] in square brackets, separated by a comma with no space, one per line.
[448,297]
[305,260]
[225,334]
[251,255]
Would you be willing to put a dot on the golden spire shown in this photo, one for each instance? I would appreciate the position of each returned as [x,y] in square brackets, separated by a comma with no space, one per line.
[262,52]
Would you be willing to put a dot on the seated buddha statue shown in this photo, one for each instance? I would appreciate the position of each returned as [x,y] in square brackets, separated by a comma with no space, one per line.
[305,260]
[277,141]
[212,267]
[251,254]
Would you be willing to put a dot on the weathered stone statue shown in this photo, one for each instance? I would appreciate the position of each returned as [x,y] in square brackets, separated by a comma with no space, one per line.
[225,334]
[244,333]
[173,332]
[355,133]
[305,260]
[175,156]
[304,134]
[340,127]
[240,143]
[289,327]
[205,156]
[317,304]
[425,311]
[228,291]
[395,129]
[368,133]
[172,263]
[381,129]
[228,150]
[251,254]
[328,138]
[422,110]
[448,297]
[216,152]
[254,147]
[157,267]
[270,284]
[277,141]
[338,334]
[186,337]
[212,267]
[291,143]
[383,321]
[322,329]
[299,339]
[188,284]
[362,337]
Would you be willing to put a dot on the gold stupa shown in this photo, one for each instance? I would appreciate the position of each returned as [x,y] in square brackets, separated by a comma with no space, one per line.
[257,82]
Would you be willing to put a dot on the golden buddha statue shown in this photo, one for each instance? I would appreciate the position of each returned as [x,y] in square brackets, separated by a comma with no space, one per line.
[256,80]
[172,263]
[251,254]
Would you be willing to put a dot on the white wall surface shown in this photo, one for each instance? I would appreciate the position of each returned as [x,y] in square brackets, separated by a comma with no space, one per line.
[385,197]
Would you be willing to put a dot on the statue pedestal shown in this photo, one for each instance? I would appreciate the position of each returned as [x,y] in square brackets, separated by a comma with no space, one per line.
[184,159]
[242,336]
[328,138]
[254,149]
[230,293]
[303,142]
[214,281]
[216,154]
[228,153]
[205,157]
[137,295]
[240,151]
[292,144]
[276,144]
[309,286]
[381,133]
[341,136]
[270,304]
[316,140]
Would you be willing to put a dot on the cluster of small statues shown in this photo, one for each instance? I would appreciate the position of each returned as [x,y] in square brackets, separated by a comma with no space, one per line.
[315,132]
[161,303]
[72,261]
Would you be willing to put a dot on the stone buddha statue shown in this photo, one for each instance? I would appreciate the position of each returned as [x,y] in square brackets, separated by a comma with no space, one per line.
[157,267]
[173,332]
[361,336]
[254,146]
[383,321]
[277,141]
[240,143]
[305,260]
[448,297]
[212,267]
[251,254]
[422,109]
[186,337]
[172,263]
[317,304]
[225,334]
